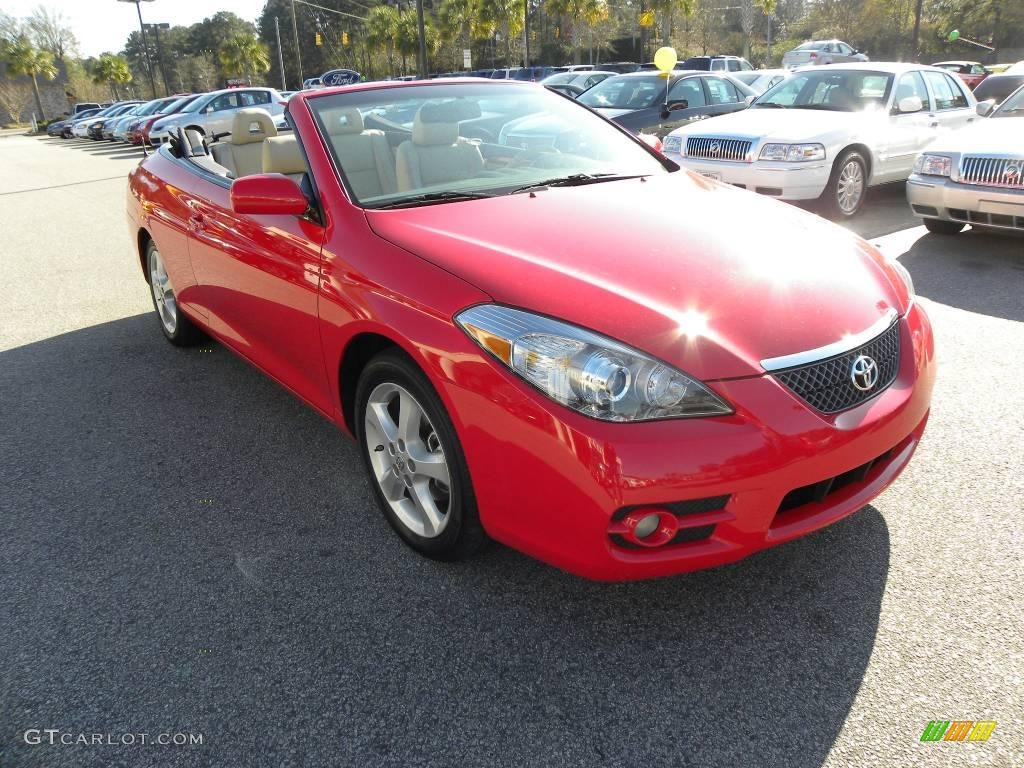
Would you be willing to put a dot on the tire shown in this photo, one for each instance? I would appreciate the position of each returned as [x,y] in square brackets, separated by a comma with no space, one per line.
[838,200]
[176,327]
[438,520]
[941,227]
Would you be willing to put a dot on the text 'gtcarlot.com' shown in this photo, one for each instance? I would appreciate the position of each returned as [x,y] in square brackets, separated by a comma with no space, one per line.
[57,736]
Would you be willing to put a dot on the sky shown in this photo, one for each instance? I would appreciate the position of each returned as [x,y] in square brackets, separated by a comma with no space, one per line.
[104,25]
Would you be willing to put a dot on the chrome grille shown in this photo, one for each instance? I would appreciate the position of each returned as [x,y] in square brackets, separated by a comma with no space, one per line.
[711,148]
[827,385]
[993,172]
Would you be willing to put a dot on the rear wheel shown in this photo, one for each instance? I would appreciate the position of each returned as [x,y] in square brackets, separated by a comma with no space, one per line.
[416,465]
[177,328]
[847,187]
[941,227]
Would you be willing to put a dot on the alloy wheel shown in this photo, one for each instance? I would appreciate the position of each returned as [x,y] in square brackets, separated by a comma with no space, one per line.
[163,292]
[850,188]
[408,460]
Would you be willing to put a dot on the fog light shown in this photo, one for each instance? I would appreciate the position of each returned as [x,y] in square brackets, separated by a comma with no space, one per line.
[650,527]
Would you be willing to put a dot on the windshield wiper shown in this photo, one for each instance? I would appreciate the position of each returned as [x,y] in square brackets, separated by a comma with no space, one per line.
[577,180]
[770,104]
[428,198]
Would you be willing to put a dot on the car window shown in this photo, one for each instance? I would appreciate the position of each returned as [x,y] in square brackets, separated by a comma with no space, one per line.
[812,46]
[911,84]
[734,65]
[960,100]
[845,49]
[997,88]
[718,64]
[222,102]
[939,83]
[832,88]
[748,78]
[252,98]
[977,69]
[722,91]
[625,92]
[688,88]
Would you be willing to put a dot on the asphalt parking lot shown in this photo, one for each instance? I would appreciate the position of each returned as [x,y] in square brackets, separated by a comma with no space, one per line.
[185,548]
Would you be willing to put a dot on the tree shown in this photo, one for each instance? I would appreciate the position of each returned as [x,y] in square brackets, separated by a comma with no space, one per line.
[16,98]
[51,32]
[508,15]
[24,59]
[381,31]
[197,73]
[113,70]
[460,22]
[244,53]
[768,8]
[582,13]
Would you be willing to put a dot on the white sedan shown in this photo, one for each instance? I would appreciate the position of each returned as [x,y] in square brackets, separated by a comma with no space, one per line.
[212,113]
[828,132]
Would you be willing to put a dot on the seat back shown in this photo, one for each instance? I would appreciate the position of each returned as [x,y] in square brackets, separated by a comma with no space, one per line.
[281,154]
[437,154]
[364,154]
[243,154]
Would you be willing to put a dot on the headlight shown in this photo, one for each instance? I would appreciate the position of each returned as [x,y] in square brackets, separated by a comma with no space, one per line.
[673,144]
[933,165]
[793,153]
[590,373]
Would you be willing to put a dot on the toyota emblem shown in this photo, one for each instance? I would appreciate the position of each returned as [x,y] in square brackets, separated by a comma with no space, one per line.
[864,373]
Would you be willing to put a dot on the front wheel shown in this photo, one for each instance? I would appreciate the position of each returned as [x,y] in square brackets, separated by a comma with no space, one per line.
[847,186]
[941,227]
[416,465]
[177,328]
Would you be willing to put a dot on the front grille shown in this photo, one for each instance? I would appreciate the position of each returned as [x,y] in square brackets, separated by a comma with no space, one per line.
[987,219]
[827,385]
[710,148]
[993,172]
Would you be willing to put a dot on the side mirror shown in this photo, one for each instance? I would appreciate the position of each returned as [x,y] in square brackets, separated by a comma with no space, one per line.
[267,194]
[672,106]
[910,104]
[985,108]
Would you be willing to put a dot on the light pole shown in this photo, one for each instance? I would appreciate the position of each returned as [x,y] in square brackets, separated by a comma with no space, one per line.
[160,52]
[145,43]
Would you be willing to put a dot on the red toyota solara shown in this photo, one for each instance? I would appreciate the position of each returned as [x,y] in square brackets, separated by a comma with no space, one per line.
[539,330]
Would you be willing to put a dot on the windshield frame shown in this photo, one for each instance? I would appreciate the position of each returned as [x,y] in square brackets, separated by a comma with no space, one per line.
[483,90]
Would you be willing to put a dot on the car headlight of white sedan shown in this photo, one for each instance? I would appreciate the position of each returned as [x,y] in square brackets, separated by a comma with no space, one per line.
[672,144]
[928,164]
[793,153]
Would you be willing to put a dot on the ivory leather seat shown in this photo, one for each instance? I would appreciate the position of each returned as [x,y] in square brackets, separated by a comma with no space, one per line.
[437,154]
[281,154]
[364,154]
[243,154]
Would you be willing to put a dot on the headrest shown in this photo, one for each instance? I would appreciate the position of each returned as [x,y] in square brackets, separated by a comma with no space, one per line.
[251,125]
[438,123]
[281,154]
[342,120]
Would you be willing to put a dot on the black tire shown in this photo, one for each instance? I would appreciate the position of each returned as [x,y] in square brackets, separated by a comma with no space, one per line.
[462,534]
[941,227]
[184,333]
[830,198]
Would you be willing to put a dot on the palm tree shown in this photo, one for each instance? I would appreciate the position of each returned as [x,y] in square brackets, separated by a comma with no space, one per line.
[768,8]
[24,59]
[381,31]
[460,22]
[113,70]
[244,53]
[582,13]
[507,14]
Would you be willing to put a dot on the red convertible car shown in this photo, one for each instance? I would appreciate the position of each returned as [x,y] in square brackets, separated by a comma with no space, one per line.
[562,342]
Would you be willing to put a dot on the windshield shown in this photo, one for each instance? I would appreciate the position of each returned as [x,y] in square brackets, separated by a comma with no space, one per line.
[433,143]
[196,105]
[998,88]
[810,47]
[560,78]
[176,106]
[626,92]
[850,90]
[746,77]
[152,107]
[1013,106]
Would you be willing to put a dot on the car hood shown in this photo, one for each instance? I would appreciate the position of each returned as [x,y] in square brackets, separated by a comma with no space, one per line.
[702,275]
[792,125]
[999,135]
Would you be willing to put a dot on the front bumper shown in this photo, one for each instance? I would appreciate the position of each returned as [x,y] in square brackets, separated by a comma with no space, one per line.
[937,197]
[786,181]
[553,483]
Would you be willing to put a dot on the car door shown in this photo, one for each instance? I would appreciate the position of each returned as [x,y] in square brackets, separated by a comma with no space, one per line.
[723,97]
[259,277]
[218,114]
[843,52]
[953,109]
[907,133]
[692,91]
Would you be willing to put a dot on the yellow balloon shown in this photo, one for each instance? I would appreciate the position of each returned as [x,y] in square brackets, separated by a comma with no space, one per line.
[665,59]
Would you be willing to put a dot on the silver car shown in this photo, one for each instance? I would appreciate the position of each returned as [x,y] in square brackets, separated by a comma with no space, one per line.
[212,113]
[822,52]
[974,176]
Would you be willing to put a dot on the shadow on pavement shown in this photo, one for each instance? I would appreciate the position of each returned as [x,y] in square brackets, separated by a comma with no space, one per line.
[975,270]
[186,548]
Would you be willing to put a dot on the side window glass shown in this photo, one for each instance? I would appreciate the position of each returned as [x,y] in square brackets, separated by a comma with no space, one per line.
[940,85]
[734,66]
[690,90]
[959,98]
[911,84]
[722,91]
